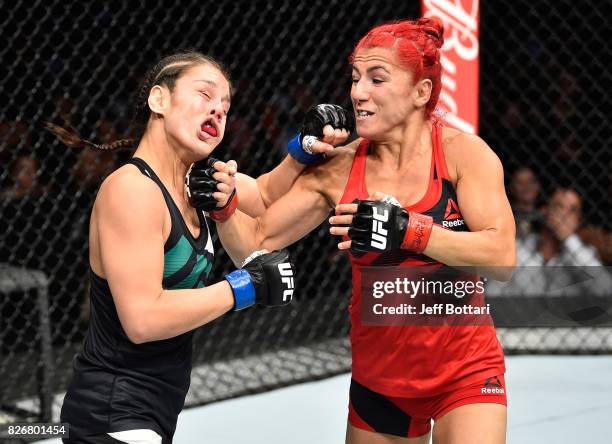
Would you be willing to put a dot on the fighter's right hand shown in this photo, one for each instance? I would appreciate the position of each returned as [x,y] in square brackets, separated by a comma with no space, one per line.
[266,279]
[200,185]
[324,126]
[211,187]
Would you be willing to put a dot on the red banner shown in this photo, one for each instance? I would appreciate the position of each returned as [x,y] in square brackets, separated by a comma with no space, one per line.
[460,60]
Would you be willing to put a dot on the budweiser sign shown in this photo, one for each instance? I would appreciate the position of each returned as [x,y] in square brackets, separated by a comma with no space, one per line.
[460,58]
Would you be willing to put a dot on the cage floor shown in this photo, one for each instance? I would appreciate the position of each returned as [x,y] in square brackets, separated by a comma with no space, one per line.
[560,399]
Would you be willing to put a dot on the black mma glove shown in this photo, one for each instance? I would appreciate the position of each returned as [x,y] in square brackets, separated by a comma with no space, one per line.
[380,226]
[201,185]
[326,114]
[312,129]
[267,280]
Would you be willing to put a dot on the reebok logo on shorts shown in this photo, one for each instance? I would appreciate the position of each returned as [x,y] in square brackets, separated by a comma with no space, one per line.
[492,386]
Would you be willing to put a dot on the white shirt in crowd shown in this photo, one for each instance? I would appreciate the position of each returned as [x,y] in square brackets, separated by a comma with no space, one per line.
[576,269]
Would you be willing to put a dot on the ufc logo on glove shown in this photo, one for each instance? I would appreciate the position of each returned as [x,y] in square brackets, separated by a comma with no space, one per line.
[379,234]
[286,272]
[380,226]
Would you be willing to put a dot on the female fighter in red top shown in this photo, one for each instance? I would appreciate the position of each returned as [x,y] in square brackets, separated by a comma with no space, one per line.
[452,210]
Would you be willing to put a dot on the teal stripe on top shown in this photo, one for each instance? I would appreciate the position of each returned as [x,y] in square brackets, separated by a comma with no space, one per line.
[189,282]
[177,258]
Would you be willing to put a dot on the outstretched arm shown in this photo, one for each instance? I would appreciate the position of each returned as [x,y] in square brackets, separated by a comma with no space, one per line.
[287,220]
[324,127]
[255,195]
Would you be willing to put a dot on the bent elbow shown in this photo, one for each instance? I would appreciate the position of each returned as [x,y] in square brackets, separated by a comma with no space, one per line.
[506,264]
[137,340]
[136,332]
[505,274]
[136,337]
[499,263]
[263,240]
[239,256]
[260,235]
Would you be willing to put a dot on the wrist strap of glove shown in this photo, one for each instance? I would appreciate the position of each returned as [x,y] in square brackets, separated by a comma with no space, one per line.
[418,232]
[297,152]
[225,212]
[242,287]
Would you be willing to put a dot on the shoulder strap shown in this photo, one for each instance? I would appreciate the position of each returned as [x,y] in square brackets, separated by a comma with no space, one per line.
[175,214]
[148,171]
[355,185]
[438,150]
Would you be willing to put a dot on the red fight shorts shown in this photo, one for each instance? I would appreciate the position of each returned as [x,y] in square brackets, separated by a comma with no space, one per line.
[411,417]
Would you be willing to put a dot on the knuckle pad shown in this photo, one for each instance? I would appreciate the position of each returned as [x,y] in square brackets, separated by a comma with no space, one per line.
[361,222]
[210,161]
[365,207]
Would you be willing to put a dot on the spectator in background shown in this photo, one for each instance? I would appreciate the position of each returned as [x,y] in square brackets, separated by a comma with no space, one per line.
[106,131]
[524,196]
[80,187]
[556,244]
[87,174]
[65,111]
[571,152]
[24,178]
[26,228]
[599,238]
[91,168]
[14,136]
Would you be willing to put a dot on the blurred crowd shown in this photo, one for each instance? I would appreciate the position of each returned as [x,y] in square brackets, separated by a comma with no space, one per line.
[550,228]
